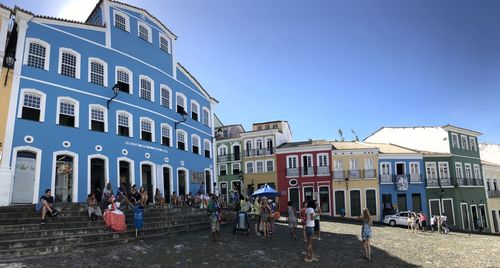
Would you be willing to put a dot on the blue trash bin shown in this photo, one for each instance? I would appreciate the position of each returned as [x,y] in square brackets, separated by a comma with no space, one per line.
[138,217]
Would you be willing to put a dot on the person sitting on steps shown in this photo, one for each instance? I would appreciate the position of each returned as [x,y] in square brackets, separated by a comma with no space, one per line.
[93,209]
[46,204]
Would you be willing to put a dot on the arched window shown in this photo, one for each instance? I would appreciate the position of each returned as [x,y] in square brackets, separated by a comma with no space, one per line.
[207,148]
[98,72]
[166,134]
[32,105]
[38,53]
[180,102]
[164,43]
[69,63]
[166,96]
[147,129]
[146,88]
[144,32]
[121,21]
[181,140]
[123,77]
[124,126]
[67,112]
[206,116]
[195,110]
[195,144]
[98,117]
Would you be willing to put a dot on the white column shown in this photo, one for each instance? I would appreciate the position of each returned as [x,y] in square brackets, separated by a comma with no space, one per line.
[6,172]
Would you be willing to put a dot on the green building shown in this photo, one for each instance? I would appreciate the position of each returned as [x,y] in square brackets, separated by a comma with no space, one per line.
[453,171]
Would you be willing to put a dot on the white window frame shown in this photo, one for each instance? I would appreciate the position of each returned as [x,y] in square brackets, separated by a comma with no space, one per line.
[105,66]
[145,77]
[184,103]
[225,168]
[127,19]
[466,147]
[452,210]
[338,165]
[455,135]
[78,61]
[472,141]
[161,35]
[458,166]
[152,122]
[257,166]
[209,118]
[288,161]
[436,171]
[447,170]
[40,42]
[471,171]
[200,149]
[222,150]
[130,77]
[77,109]
[169,133]
[162,87]
[43,98]
[197,110]
[308,156]
[353,164]
[130,122]
[382,168]
[233,165]
[186,145]
[267,161]
[326,162]
[150,35]
[369,160]
[246,167]
[477,175]
[98,106]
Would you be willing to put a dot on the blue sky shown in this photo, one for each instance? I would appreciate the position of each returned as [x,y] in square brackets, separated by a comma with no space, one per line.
[327,64]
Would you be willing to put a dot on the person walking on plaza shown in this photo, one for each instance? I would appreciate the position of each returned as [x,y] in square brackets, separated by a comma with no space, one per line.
[265,214]
[317,212]
[292,220]
[256,211]
[433,223]
[422,221]
[303,219]
[366,232]
[311,206]
[214,214]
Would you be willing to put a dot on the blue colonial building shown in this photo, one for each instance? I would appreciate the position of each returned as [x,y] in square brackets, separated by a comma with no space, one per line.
[402,186]
[104,101]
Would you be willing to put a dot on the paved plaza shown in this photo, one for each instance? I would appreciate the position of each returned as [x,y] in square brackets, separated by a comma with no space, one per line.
[340,246]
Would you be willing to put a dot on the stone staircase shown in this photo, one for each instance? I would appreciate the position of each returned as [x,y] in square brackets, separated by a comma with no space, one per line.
[22,235]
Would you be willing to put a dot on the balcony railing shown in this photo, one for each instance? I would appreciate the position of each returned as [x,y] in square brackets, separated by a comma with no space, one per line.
[470,182]
[292,172]
[432,182]
[307,171]
[386,179]
[324,170]
[369,173]
[259,152]
[415,178]
[339,175]
[445,181]
[228,157]
[354,174]
[493,194]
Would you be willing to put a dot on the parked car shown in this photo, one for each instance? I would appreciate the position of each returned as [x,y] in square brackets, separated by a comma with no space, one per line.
[400,218]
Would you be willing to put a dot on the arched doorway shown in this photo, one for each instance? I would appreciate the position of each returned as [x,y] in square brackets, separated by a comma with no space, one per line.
[208,181]
[147,180]
[167,180]
[181,180]
[64,178]
[97,176]
[124,173]
[24,177]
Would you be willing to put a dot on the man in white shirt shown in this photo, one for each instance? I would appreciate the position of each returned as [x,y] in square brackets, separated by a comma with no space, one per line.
[311,205]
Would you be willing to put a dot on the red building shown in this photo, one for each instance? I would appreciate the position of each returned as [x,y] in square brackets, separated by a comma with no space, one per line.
[304,173]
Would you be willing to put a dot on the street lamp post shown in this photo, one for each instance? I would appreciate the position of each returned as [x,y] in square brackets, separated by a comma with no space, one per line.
[9,62]
[116,90]
[184,117]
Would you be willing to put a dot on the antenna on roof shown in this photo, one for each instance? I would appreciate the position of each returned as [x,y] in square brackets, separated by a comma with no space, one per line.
[341,135]
[355,135]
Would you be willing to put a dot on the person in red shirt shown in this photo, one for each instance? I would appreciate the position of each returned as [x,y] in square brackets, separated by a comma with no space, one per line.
[422,221]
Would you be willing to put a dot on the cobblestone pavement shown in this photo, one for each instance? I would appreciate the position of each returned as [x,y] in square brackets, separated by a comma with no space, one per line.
[339,246]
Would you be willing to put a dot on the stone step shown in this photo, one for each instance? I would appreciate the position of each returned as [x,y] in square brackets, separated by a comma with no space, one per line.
[100,228]
[13,254]
[74,217]
[93,237]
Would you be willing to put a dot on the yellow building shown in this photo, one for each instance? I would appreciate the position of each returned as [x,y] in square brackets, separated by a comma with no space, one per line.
[491,176]
[355,182]
[259,158]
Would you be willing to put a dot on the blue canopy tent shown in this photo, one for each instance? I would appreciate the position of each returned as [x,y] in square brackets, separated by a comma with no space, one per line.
[266,190]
